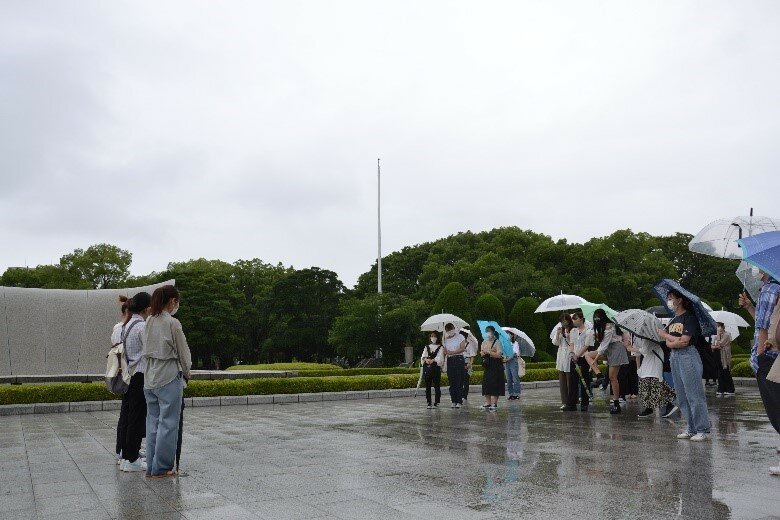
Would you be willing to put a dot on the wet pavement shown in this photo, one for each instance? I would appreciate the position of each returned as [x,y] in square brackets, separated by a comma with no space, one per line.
[392,458]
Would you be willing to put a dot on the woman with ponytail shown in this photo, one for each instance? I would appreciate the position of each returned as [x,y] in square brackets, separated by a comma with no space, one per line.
[168,364]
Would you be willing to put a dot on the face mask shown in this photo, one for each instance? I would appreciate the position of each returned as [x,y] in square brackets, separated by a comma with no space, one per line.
[670,304]
[175,310]
[433,339]
[490,335]
[450,334]
[596,320]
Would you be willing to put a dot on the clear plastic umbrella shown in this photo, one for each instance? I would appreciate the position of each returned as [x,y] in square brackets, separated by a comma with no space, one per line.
[720,238]
[562,302]
[750,280]
[731,321]
[527,347]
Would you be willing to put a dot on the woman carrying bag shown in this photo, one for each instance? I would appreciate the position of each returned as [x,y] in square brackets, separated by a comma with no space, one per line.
[432,360]
[493,375]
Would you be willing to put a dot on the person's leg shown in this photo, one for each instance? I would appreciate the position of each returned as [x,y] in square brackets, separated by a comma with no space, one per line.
[428,383]
[573,385]
[728,381]
[679,386]
[169,398]
[591,358]
[437,385]
[512,379]
[121,426]
[694,391]
[669,380]
[563,386]
[460,371]
[452,377]
[614,372]
[586,375]
[769,390]
[466,383]
[136,418]
[152,421]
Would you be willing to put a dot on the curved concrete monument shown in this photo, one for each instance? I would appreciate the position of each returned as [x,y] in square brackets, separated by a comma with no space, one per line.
[58,331]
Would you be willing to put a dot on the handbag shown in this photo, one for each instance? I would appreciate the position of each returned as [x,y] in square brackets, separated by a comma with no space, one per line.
[520,367]
[117,374]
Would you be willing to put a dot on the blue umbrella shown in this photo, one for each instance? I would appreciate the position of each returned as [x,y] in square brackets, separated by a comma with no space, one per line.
[706,323]
[763,251]
[506,343]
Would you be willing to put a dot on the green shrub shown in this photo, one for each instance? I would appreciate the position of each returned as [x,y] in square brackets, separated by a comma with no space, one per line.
[742,369]
[286,366]
[74,392]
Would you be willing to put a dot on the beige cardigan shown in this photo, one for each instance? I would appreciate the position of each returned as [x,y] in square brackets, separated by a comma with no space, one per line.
[725,349]
[165,350]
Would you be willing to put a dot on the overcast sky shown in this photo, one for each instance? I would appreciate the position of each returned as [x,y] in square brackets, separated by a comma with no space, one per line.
[232,130]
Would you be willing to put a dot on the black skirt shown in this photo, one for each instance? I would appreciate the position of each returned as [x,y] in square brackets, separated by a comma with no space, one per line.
[493,377]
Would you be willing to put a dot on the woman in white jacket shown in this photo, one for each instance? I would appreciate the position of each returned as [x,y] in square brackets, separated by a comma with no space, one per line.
[653,392]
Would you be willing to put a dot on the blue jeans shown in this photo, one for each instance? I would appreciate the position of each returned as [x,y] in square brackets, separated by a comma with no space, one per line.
[512,379]
[163,407]
[687,372]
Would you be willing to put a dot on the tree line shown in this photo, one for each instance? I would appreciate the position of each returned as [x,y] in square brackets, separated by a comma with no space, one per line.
[251,311]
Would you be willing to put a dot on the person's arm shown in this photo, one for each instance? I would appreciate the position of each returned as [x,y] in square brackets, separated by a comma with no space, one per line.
[185,358]
[746,304]
[674,341]
[767,302]
[609,337]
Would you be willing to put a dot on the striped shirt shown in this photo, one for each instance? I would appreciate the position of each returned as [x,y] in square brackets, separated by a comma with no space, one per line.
[767,300]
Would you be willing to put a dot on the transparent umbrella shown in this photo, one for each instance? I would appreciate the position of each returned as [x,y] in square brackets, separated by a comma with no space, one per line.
[750,279]
[562,302]
[720,238]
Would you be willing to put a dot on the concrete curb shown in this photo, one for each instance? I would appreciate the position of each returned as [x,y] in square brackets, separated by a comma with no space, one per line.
[249,400]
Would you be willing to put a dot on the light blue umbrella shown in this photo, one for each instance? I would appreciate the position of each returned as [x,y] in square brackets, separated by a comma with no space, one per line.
[506,343]
[763,251]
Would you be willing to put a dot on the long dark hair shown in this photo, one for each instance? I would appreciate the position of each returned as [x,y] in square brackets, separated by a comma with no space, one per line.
[162,296]
[138,303]
[601,325]
[565,320]
[438,336]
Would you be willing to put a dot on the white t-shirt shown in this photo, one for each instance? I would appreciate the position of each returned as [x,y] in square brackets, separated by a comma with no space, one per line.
[651,366]
[452,344]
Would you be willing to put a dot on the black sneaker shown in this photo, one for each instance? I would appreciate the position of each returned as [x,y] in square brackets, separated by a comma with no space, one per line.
[583,408]
[670,410]
[614,408]
[647,412]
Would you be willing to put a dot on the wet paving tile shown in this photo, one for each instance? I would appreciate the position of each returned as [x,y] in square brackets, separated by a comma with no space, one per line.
[393,458]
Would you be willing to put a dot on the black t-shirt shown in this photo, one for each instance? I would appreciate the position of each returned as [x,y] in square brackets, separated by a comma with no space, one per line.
[685,324]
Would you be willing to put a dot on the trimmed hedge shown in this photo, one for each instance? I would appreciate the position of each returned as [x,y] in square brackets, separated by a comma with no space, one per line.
[742,369]
[74,392]
[286,366]
[393,370]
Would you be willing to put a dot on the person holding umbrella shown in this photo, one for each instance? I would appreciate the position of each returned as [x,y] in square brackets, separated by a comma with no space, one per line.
[432,360]
[582,339]
[472,345]
[512,367]
[454,346]
[564,363]
[493,360]
[721,344]
[681,335]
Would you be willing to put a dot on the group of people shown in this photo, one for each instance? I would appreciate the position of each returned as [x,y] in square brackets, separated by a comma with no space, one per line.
[667,376]
[159,362]
[455,352]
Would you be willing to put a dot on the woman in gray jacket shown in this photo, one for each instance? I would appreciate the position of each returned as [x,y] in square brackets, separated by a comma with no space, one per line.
[168,364]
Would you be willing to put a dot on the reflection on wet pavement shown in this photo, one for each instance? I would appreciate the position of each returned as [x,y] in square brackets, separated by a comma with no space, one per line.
[393,458]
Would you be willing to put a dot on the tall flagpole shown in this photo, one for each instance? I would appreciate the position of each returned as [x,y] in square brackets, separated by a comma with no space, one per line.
[379,226]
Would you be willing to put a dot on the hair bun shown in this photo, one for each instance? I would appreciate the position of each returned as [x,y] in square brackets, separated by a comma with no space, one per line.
[123,298]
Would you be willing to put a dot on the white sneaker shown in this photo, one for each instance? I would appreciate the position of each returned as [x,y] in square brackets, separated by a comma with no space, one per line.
[728,394]
[563,407]
[138,465]
[457,405]
[775,470]
[718,394]
[700,437]
[685,435]
[119,460]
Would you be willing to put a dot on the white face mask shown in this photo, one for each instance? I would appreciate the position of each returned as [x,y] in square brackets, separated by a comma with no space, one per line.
[670,304]
[450,334]
[175,310]
[433,340]
[490,335]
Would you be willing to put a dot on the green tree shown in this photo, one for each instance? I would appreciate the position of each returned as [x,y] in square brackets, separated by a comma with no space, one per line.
[453,299]
[43,277]
[489,308]
[594,295]
[524,318]
[104,266]
[298,312]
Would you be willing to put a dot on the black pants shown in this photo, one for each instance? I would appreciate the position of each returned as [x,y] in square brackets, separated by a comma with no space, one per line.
[725,381]
[435,381]
[572,388]
[466,384]
[770,392]
[131,428]
[456,370]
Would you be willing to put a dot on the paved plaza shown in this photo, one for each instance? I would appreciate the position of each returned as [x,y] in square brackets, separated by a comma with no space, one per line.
[392,458]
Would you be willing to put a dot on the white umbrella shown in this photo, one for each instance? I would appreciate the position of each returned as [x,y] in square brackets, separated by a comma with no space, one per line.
[562,302]
[719,238]
[706,306]
[527,347]
[439,321]
[731,321]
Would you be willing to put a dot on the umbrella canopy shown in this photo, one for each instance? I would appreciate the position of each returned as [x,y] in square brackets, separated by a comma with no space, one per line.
[589,308]
[731,321]
[562,302]
[506,343]
[720,237]
[763,251]
[439,321]
[750,279]
[527,347]
[706,323]
[640,323]
[659,311]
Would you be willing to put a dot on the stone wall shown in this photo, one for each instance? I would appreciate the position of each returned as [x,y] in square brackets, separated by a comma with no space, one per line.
[58,331]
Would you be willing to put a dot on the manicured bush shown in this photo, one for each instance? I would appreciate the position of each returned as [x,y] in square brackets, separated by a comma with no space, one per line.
[287,366]
[742,369]
[74,392]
